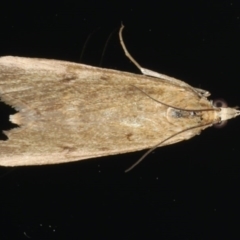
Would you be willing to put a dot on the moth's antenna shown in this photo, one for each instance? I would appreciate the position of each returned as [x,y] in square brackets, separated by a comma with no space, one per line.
[178,108]
[182,109]
[159,144]
[147,72]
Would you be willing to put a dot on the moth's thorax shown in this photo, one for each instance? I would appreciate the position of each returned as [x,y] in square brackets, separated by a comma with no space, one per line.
[195,117]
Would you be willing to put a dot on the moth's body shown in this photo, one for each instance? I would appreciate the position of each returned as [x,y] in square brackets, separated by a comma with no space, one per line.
[69,111]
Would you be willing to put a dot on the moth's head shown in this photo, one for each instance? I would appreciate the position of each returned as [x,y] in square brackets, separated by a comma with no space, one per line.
[225,112]
[228,113]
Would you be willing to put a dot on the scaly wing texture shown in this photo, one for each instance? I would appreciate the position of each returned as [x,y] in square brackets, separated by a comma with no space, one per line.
[69,111]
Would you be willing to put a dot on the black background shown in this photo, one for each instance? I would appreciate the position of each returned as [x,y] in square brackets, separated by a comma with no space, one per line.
[185,191]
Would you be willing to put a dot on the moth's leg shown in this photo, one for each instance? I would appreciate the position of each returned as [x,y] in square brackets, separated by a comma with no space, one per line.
[147,72]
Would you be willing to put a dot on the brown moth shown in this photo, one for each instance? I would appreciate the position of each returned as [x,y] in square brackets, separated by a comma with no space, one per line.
[69,111]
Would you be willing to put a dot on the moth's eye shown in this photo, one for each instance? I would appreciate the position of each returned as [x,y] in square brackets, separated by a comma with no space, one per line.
[220,124]
[220,103]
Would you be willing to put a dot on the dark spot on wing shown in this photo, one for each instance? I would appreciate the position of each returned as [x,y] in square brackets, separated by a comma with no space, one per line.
[68,149]
[103,149]
[68,79]
[104,78]
[129,135]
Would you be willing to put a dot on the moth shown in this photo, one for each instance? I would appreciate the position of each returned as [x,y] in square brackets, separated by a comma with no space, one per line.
[68,111]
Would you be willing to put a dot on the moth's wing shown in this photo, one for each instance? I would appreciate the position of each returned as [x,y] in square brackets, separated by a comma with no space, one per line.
[69,111]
